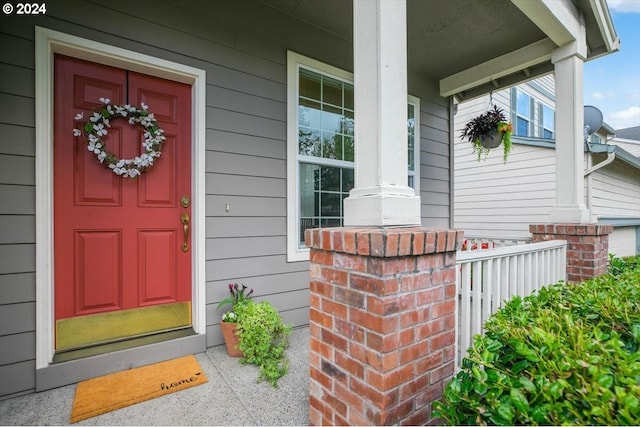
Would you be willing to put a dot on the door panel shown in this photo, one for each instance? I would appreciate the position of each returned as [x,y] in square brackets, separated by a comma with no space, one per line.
[118,241]
[153,284]
[98,260]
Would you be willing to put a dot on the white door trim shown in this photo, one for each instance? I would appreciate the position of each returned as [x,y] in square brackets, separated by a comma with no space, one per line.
[49,42]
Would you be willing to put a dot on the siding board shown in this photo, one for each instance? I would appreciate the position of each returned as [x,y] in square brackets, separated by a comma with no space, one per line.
[229,142]
[17,170]
[245,247]
[228,269]
[246,206]
[231,100]
[16,288]
[245,185]
[245,226]
[18,378]
[16,80]
[22,200]
[17,51]
[17,229]
[238,163]
[17,110]
[18,140]
[17,258]
[23,345]
[247,124]
[17,318]
[266,285]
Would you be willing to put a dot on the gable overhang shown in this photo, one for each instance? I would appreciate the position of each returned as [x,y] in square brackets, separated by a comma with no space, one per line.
[582,25]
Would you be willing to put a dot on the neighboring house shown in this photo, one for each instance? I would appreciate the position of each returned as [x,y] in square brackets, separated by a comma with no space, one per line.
[257,99]
[492,199]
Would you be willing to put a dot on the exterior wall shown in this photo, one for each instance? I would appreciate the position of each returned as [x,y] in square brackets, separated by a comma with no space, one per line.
[245,156]
[615,190]
[624,241]
[493,199]
[435,158]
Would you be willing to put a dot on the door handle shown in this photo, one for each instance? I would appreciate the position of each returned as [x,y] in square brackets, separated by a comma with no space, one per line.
[184,219]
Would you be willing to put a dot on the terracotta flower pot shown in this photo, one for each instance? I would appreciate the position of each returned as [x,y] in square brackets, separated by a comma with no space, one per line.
[231,340]
[492,140]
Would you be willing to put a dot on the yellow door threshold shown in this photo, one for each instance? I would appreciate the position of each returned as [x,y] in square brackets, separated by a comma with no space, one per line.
[92,330]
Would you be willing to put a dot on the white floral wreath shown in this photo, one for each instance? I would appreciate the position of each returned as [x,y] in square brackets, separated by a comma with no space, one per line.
[97,126]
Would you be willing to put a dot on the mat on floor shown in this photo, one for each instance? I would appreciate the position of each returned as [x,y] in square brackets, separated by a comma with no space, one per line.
[114,391]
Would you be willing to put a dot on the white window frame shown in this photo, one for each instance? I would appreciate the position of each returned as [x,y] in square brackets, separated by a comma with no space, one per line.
[294,62]
[542,116]
[516,113]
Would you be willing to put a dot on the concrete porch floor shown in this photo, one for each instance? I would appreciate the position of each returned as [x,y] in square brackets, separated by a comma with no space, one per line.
[231,397]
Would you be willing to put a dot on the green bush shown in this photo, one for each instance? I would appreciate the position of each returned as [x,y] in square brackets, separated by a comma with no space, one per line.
[619,265]
[263,339]
[566,355]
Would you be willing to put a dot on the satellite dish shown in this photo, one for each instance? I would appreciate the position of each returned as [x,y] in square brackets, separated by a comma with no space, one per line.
[592,119]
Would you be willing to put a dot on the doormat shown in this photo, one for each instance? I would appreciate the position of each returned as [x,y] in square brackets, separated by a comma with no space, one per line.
[118,390]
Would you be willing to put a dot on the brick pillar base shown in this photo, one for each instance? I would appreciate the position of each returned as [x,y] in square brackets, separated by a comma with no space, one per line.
[587,246]
[382,323]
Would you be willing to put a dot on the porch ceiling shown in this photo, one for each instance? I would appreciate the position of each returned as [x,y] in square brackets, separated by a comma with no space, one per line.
[448,37]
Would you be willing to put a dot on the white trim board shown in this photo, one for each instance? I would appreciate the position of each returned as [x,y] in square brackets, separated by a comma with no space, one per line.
[49,42]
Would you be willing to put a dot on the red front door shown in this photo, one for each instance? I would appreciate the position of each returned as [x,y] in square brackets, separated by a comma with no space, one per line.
[119,241]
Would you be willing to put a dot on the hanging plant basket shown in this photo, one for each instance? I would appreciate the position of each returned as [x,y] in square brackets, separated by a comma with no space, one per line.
[492,140]
[487,131]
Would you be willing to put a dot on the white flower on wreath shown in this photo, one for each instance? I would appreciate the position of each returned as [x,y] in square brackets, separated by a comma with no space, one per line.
[97,126]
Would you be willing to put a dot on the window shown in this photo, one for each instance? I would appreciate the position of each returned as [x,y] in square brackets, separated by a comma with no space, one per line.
[320,148]
[524,113]
[547,122]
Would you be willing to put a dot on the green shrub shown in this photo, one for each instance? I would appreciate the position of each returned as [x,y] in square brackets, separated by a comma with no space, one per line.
[263,339]
[619,265]
[567,355]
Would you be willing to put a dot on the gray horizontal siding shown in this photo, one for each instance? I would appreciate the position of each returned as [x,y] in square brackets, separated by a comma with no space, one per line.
[17,258]
[245,147]
[17,378]
[23,345]
[18,140]
[17,170]
[17,318]
[19,287]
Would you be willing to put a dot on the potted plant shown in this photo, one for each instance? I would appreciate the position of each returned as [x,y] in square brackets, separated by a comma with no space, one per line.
[255,332]
[263,339]
[488,131]
[229,325]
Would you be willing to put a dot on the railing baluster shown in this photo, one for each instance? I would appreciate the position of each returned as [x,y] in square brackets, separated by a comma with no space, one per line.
[476,299]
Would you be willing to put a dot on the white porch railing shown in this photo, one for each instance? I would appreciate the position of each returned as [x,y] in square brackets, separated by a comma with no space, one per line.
[486,278]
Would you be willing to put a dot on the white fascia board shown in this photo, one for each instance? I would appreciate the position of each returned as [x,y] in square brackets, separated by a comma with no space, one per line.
[558,19]
[496,68]
[605,24]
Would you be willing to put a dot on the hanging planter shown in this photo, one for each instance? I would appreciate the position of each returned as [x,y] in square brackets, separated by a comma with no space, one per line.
[492,140]
[487,131]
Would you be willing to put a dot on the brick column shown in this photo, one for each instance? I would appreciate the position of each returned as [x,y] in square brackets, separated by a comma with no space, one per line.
[587,246]
[382,323]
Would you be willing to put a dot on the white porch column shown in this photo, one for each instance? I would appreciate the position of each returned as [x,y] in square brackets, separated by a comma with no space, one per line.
[569,66]
[381,195]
